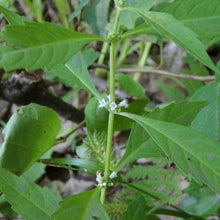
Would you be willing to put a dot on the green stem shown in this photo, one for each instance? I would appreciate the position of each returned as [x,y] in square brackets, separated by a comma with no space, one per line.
[113,48]
[102,57]
[142,60]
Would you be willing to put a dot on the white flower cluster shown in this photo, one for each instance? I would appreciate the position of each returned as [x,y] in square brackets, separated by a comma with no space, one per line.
[99,179]
[112,105]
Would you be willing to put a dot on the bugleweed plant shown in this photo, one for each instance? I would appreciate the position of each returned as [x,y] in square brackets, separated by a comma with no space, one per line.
[184,132]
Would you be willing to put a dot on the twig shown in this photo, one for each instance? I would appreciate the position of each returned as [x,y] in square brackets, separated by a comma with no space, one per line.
[63,138]
[159,72]
[166,73]
[22,91]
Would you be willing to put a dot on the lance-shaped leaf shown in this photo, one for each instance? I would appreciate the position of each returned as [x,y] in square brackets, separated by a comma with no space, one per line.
[202,16]
[41,45]
[28,135]
[208,119]
[75,72]
[140,144]
[82,206]
[28,199]
[193,152]
[169,27]
[12,17]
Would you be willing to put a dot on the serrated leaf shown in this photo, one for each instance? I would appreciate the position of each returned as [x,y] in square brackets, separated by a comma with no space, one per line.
[28,199]
[28,135]
[78,68]
[12,17]
[160,182]
[75,72]
[169,27]
[140,144]
[42,45]
[201,202]
[193,152]
[5,208]
[181,113]
[172,93]
[82,206]
[128,85]
[202,16]
[208,119]
[136,209]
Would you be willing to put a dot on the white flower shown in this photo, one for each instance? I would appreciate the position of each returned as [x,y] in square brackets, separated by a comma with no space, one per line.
[123,103]
[113,175]
[112,106]
[109,98]
[98,177]
[102,103]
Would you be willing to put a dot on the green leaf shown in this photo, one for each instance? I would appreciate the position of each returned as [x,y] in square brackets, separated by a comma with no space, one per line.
[217,73]
[172,93]
[63,9]
[78,68]
[181,113]
[195,69]
[128,19]
[96,14]
[42,45]
[75,72]
[27,199]
[90,165]
[201,202]
[97,118]
[140,144]
[160,182]
[202,16]
[169,27]
[82,206]
[136,209]
[12,17]
[190,150]
[37,170]
[5,208]
[28,135]
[208,119]
[128,85]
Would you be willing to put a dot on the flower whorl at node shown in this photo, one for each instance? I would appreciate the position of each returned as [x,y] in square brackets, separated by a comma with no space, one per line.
[112,106]
[99,179]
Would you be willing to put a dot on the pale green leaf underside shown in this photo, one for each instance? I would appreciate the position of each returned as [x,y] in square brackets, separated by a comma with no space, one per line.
[202,16]
[190,150]
[75,72]
[208,119]
[82,206]
[28,199]
[169,27]
[28,135]
[41,45]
